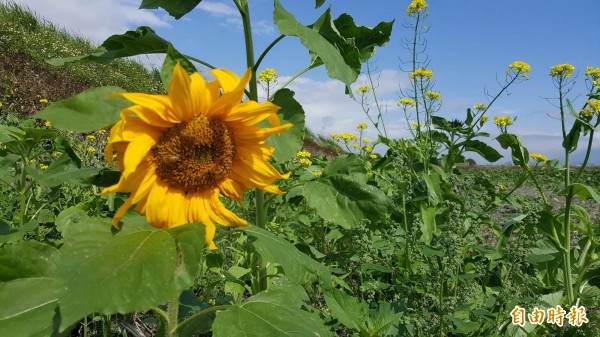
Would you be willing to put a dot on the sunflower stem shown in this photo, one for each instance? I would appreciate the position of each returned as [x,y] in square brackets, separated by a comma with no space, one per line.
[172,317]
[261,216]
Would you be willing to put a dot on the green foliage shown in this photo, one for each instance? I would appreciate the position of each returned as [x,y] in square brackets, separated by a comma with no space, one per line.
[290,111]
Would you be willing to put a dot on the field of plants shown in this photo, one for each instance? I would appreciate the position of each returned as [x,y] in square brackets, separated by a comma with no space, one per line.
[158,203]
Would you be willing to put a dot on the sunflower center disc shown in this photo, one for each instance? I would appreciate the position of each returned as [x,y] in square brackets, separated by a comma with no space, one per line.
[194,156]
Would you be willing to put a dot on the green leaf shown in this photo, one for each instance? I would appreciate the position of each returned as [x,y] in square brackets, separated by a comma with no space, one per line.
[62,170]
[27,259]
[11,133]
[188,306]
[28,292]
[520,155]
[332,58]
[70,216]
[296,265]
[571,141]
[463,326]
[141,41]
[290,142]
[174,57]
[582,191]
[276,312]
[91,110]
[176,9]
[487,152]
[134,270]
[22,314]
[342,196]
[319,3]
[428,224]
[364,39]
[346,309]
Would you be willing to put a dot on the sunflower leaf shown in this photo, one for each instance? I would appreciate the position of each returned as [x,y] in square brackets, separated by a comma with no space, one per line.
[134,270]
[143,40]
[256,317]
[341,194]
[290,142]
[176,9]
[296,265]
[317,44]
[90,110]
[28,315]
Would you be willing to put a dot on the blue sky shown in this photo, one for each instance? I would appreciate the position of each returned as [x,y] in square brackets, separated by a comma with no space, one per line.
[470,44]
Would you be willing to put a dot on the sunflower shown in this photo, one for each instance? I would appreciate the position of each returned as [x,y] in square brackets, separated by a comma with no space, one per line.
[178,153]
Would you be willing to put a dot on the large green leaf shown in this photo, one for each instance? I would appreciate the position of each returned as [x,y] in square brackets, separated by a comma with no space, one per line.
[332,58]
[364,39]
[428,224]
[582,191]
[133,270]
[487,152]
[345,198]
[27,295]
[90,110]
[141,41]
[63,170]
[520,155]
[176,9]
[290,142]
[276,312]
[296,265]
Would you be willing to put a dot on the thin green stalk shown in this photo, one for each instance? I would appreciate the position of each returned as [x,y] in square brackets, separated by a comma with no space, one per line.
[198,315]
[537,185]
[22,191]
[200,61]
[587,157]
[266,51]
[379,117]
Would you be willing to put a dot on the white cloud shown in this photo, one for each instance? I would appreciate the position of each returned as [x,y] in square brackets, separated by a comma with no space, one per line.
[94,20]
[230,17]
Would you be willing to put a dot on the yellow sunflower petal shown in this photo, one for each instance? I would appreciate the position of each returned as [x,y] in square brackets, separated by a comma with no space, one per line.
[136,152]
[232,189]
[226,79]
[229,99]
[155,206]
[180,93]
[201,95]
[152,109]
[221,215]
[197,213]
[144,182]
[252,112]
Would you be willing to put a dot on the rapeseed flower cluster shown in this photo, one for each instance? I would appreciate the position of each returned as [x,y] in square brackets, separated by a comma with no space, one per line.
[562,70]
[363,89]
[594,73]
[362,126]
[268,75]
[433,95]
[479,106]
[539,158]
[44,101]
[594,105]
[422,73]
[519,68]
[416,6]
[303,157]
[484,119]
[502,121]
[406,102]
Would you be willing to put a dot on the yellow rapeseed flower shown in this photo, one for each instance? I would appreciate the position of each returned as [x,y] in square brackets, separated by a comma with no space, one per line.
[587,113]
[433,95]
[502,121]
[356,146]
[366,140]
[519,68]
[101,132]
[421,72]
[562,70]
[593,72]
[362,126]
[268,75]
[43,166]
[484,119]
[91,149]
[479,106]
[305,161]
[537,157]
[373,156]
[178,153]
[56,154]
[43,101]
[363,89]
[416,6]
[91,137]
[317,174]
[594,105]
[367,148]
[405,102]
[303,154]
[348,136]
[48,124]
